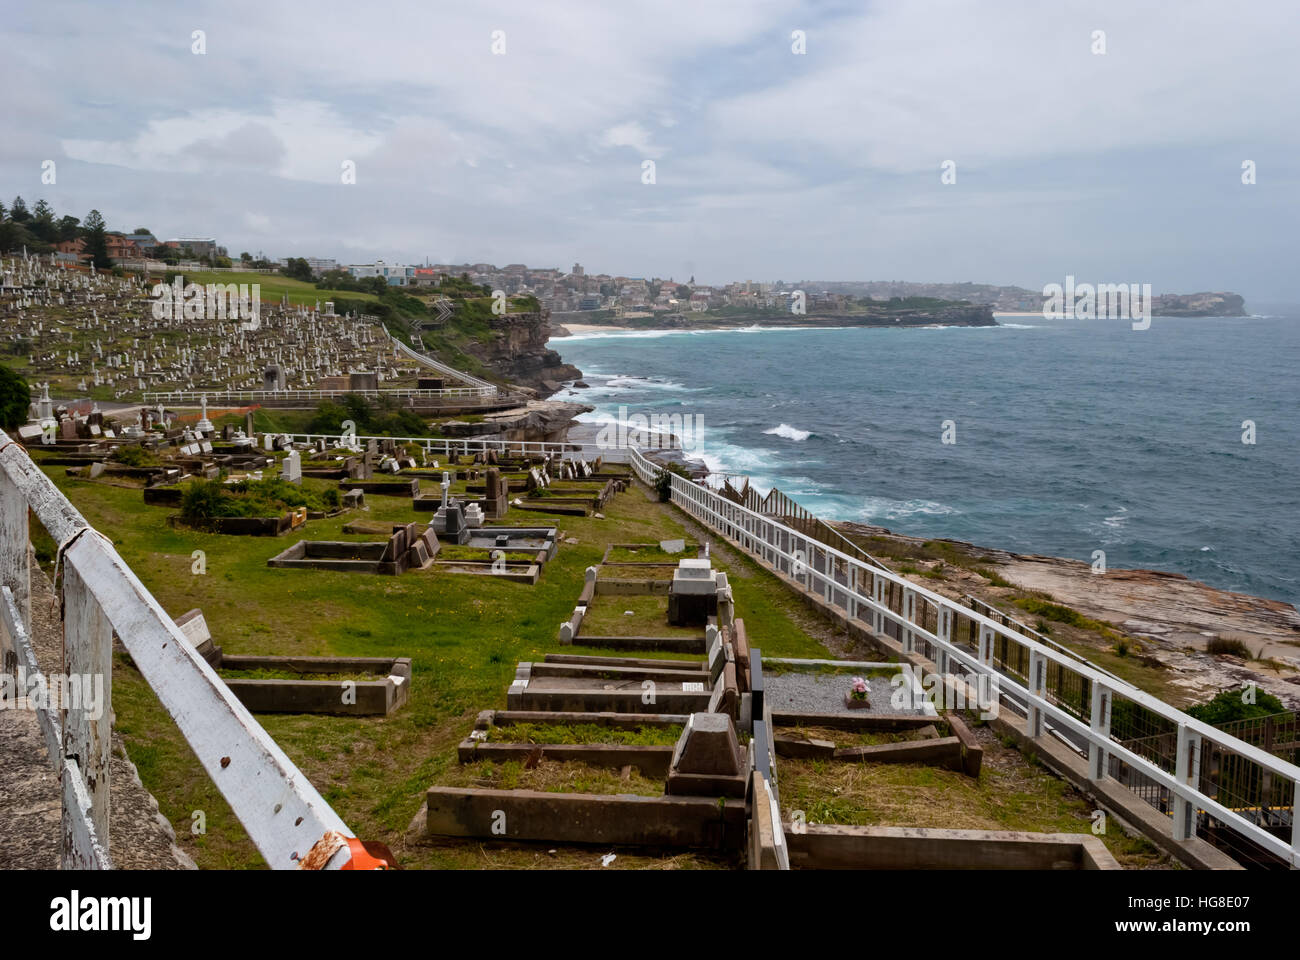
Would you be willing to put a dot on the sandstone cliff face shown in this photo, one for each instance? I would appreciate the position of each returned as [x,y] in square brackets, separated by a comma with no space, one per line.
[547,420]
[517,351]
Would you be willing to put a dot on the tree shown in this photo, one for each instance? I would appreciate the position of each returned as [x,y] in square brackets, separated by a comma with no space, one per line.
[69,228]
[245,257]
[43,222]
[18,211]
[144,230]
[15,400]
[298,269]
[2,213]
[97,241]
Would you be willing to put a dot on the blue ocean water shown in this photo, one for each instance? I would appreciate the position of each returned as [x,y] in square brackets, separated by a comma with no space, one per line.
[1071,436]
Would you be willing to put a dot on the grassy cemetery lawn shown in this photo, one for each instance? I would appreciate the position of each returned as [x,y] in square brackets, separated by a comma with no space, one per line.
[607,617]
[465,635]
[1012,793]
[275,286]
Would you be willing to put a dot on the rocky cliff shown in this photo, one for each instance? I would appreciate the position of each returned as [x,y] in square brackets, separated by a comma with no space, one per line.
[516,351]
[1199,305]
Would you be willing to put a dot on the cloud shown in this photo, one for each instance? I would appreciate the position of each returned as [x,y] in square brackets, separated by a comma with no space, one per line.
[768,163]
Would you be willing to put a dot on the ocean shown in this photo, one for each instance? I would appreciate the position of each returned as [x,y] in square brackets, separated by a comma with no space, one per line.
[1070,436]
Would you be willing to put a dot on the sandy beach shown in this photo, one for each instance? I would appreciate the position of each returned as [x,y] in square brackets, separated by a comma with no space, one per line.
[584,328]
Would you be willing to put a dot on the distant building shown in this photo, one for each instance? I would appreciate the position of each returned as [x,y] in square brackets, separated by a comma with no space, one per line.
[73,248]
[394,274]
[318,265]
[199,246]
[120,247]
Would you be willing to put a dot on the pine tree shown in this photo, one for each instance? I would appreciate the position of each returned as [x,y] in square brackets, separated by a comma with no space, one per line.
[97,241]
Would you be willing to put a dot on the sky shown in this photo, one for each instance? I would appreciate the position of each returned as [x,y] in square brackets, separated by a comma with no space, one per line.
[521,133]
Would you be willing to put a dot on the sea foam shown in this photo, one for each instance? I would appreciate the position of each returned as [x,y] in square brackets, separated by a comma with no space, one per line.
[790,433]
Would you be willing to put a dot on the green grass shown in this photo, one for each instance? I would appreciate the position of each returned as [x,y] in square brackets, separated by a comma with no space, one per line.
[464,635]
[584,733]
[266,673]
[607,617]
[651,553]
[551,776]
[1010,794]
[275,286]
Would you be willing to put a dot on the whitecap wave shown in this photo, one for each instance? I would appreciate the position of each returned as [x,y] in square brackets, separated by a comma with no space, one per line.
[790,433]
[883,508]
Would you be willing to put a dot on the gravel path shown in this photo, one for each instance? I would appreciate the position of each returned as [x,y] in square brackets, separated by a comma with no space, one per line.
[798,692]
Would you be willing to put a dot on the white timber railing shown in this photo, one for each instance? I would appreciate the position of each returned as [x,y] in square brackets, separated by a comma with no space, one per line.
[449,446]
[195,397]
[428,361]
[281,811]
[858,590]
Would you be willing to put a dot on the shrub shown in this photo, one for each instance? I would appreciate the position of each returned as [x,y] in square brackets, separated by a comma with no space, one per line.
[664,480]
[201,501]
[1231,705]
[133,456]
[1231,647]
[205,500]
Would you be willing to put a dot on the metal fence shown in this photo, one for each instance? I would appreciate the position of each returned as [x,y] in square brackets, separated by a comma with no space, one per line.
[281,811]
[1056,693]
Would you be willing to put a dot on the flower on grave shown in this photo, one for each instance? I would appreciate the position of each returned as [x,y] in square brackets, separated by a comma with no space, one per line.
[859,690]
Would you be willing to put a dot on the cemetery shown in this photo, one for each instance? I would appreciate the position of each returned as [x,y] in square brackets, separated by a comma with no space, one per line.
[105,337]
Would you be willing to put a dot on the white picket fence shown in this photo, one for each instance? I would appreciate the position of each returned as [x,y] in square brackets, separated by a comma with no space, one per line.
[281,811]
[858,589]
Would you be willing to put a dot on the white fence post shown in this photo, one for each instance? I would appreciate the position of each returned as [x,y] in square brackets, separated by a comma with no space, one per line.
[15,572]
[944,633]
[909,615]
[986,645]
[1099,721]
[1187,768]
[1036,686]
[87,722]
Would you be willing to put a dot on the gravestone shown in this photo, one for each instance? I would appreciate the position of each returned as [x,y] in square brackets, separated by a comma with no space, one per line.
[291,467]
[708,746]
[693,594]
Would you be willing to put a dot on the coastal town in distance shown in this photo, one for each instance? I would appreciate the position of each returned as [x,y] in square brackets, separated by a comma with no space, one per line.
[542,472]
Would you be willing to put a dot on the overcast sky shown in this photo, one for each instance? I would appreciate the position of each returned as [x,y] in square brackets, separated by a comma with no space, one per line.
[1119,167]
